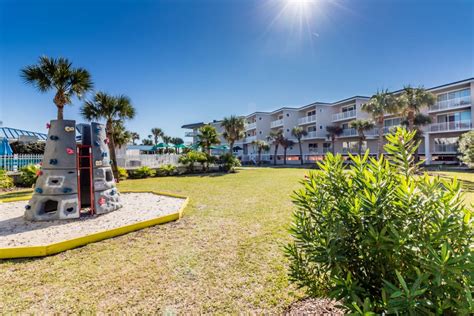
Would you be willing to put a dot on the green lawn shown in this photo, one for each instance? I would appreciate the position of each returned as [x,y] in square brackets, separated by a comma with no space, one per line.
[224,256]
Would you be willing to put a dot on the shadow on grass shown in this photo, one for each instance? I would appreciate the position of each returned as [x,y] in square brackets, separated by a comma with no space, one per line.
[466,185]
[15,194]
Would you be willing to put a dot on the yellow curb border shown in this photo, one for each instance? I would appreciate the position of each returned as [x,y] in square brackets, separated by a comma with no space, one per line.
[46,250]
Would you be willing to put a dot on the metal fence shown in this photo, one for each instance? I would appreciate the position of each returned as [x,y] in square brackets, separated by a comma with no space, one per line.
[14,163]
[152,161]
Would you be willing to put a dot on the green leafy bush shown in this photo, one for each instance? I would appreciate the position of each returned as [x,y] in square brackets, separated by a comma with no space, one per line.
[6,181]
[142,173]
[228,162]
[123,174]
[191,158]
[466,148]
[28,175]
[381,239]
[166,170]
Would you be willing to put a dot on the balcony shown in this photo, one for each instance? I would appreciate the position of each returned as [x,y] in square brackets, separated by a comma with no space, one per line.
[190,134]
[352,132]
[250,126]
[250,139]
[276,123]
[314,134]
[344,115]
[445,148]
[307,120]
[450,126]
[451,104]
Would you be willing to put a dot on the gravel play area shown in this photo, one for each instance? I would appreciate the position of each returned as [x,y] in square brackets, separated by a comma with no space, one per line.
[15,231]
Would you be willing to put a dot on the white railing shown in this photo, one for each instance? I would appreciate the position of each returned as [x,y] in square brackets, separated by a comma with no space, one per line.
[254,158]
[353,150]
[450,126]
[250,139]
[451,104]
[314,134]
[14,163]
[445,148]
[152,161]
[276,123]
[250,126]
[351,132]
[307,119]
[344,115]
[190,134]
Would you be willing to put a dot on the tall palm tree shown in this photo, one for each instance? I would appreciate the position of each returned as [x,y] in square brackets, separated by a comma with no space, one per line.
[261,146]
[135,136]
[412,101]
[111,109]
[418,123]
[157,133]
[285,143]
[234,129]
[333,132]
[207,136]
[59,75]
[379,105]
[361,126]
[275,139]
[298,132]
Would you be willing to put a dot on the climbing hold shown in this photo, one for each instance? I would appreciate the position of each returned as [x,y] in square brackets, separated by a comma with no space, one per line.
[97,129]
[69,129]
[39,190]
[70,151]
[104,154]
[48,125]
[27,207]
[98,163]
[53,161]
[96,143]
[101,201]
[67,190]
[70,209]
[39,173]
[112,192]
[53,137]
[106,140]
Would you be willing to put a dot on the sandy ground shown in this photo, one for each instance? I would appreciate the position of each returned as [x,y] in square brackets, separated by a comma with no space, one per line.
[15,231]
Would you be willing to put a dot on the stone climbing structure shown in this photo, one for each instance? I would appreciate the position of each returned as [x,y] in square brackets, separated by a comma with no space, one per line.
[76,176]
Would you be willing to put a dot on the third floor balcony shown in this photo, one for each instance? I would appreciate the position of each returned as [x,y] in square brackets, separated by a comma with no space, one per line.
[190,134]
[307,120]
[344,115]
[250,126]
[450,126]
[451,104]
[276,123]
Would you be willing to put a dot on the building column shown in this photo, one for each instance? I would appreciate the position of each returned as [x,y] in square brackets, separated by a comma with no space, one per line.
[427,149]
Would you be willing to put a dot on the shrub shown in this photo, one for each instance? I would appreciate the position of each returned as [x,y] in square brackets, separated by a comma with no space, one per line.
[381,239]
[28,148]
[191,158]
[123,174]
[28,175]
[466,148]
[228,162]
[6,181]
[142,173]
[166,170]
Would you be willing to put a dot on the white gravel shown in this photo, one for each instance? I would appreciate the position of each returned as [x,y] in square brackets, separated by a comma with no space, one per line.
[15,231]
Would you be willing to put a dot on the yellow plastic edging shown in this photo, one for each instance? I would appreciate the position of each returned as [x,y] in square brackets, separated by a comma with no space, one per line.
[46,250]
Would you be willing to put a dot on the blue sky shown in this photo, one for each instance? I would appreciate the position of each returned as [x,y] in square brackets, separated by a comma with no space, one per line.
[187,61]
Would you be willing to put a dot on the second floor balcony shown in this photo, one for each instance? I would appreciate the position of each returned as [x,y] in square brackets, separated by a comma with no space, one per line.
[352,132]
[276,123]
[307,120]
[250,126]
[190,134]
[250,139]
[344,115]
[451,104]
[315,134]
[445,148]
[450,126]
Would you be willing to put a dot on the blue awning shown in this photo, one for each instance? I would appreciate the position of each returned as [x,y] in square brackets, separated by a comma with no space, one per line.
[5,148]
[14,133]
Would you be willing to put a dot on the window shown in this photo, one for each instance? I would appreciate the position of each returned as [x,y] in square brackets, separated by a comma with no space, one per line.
[396,121]
[320,127]
[311,113]
[454,117]
[353,147]
[326,147]
[349,108]
[287,114]
[460,94]
[311,129]
[313,147]
[446,145]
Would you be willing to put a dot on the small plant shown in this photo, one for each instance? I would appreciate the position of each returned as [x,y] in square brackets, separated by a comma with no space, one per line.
[381,239]
[6,181]
[466,148]
[28,175]
[166,170]
[123,174]
[228,162]
[191,158]
[142,173]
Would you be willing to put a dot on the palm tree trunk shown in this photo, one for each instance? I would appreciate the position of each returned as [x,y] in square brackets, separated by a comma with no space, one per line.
[231,149]
[380,140]
[360,144]
[284,155]
[259,156]
[333,142]
[411,120]
[301,150]
[275,155]
[111,144]
[60,112]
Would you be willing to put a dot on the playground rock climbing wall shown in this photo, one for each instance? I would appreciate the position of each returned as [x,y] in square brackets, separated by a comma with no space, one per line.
[75,174]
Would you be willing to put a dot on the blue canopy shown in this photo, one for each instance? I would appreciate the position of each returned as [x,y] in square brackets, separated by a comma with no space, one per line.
[5,148]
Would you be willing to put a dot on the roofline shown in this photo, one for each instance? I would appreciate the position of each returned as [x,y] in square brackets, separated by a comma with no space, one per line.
[193,125]
[442,86]
[349,99]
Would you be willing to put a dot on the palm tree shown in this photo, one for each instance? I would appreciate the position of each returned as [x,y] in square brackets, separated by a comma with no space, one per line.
[135,136]
[147,142]
[234,129]
[361,126]
[261,146]
[177,141]
[111,109]
[121,135]
[285,143]
[166,139]
[206,137]
[157,133]
[412,100]
[379,105]
[299,132]
[59,75]
[275,138]
[418,123]
[333,132]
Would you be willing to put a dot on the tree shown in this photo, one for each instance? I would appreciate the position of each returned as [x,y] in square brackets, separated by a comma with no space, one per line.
[121,135]
[111,109]
[379,105]
[333,132]
[418,123]
[361,126]
[412,101]
[285,143]
[466,148]
[275,139]
[157,133]
[234,129]
[207,136]
[135,136]
[59,75]
[166,139]
[299,132]
[177,141]
[261,146]
[147,142]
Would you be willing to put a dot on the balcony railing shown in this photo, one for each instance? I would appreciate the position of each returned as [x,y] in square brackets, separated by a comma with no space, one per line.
[250,139]
[344,115]
[451,104]
[190,134]
[446,148]
[450,126]
[276,123]
[250,126]
[351,132]
[353,150]
[315,134]
[307,119]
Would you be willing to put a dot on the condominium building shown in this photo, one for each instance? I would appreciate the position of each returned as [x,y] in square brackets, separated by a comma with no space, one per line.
[451,116]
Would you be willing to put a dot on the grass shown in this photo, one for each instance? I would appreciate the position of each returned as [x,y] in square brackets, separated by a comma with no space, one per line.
[224,256]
